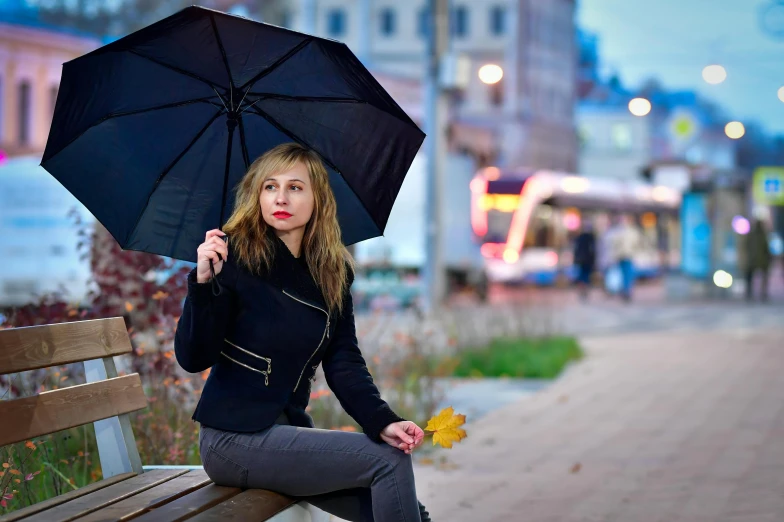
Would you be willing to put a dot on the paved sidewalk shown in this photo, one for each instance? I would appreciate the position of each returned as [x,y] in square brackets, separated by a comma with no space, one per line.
[671,427]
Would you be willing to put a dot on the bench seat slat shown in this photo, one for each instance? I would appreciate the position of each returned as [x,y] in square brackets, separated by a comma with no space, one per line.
[190,505]
[107,496]
[56,410]
[65,497]
[149,499]
[252,504]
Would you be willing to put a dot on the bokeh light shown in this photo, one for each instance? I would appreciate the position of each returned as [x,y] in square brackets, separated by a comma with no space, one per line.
[734,130]
[511,256]
[781,94]
[741,225]
[571,221]
[639,106]
[722,279]
[491,73]
[714,74]
[491,173]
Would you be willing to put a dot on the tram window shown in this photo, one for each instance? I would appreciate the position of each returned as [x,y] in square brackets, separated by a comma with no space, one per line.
[498,226]
[540,233]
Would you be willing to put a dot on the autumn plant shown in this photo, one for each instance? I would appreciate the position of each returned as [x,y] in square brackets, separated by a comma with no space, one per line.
[39,469]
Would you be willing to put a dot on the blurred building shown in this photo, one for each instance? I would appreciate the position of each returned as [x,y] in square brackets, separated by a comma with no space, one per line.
[31,59]
[39,247]
[530,112]
[681,127]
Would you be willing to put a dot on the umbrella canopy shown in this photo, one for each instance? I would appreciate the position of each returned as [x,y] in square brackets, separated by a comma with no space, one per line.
[153,131]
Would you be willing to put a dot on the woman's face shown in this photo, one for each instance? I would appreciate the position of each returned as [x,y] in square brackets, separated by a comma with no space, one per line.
[287,200]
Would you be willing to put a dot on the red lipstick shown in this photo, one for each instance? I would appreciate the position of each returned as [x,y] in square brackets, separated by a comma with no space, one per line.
[281,214]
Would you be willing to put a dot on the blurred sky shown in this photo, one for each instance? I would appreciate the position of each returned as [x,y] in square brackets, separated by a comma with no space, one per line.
[674,39]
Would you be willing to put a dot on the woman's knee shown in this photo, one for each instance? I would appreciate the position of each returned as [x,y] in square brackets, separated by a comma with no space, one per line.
[397,460]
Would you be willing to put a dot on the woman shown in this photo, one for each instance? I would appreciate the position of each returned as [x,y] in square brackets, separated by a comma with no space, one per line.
[284,308]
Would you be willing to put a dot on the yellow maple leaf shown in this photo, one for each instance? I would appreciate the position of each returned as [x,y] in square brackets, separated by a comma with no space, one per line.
[446,427]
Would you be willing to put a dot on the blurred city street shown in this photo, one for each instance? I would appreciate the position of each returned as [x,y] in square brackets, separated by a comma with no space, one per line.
[651,310]
[679,424]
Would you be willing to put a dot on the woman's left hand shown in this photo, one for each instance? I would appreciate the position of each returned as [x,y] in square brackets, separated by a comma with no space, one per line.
[403,435]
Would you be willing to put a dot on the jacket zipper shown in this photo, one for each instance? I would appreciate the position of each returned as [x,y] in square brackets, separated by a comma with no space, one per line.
[266,373]
[323,335]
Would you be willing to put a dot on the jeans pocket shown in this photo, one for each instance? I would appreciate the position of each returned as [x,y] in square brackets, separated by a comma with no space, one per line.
[223,471]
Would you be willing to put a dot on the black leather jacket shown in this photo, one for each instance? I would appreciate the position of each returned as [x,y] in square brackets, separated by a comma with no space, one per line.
[264,338]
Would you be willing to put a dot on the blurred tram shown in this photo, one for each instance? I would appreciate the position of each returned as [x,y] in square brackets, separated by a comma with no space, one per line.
[526,222]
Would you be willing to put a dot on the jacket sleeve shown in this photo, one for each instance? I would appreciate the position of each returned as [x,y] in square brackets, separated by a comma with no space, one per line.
[202,327]
[348,377]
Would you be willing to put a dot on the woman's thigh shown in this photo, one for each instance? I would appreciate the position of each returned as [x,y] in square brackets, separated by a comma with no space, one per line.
[354,505]
[297,461]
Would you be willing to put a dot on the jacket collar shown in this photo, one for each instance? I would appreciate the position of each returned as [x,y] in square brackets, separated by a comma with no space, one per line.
[292,275]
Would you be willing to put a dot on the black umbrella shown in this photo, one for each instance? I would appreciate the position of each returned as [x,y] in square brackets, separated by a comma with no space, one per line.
[152,132]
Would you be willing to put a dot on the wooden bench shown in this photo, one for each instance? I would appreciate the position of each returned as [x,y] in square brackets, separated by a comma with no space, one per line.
[128,490]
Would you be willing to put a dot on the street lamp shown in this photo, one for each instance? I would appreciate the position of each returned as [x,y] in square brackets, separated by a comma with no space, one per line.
[491,73]
[639,106]
[714,74]
[734,130]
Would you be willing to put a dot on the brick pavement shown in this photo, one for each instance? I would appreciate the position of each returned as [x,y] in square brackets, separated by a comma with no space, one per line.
[670,426]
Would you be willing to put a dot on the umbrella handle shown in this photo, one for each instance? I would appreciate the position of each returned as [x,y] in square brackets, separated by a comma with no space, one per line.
[216,286]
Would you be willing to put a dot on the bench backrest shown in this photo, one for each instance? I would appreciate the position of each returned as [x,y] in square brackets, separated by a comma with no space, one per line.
[105,399]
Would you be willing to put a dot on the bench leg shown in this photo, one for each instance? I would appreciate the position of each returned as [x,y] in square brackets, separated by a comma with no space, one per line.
[116,443]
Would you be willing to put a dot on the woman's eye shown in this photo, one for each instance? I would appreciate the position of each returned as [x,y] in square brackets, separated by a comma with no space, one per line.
[296,187]
[269,187]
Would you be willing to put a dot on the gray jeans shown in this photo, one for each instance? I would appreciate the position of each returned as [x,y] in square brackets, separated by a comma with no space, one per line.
[345,474]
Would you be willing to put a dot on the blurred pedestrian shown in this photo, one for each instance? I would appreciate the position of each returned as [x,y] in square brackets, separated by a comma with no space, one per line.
[625,240]
[757,259]
[585,259]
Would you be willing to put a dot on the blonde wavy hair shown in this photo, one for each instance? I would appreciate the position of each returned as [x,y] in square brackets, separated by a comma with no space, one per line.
[327,258]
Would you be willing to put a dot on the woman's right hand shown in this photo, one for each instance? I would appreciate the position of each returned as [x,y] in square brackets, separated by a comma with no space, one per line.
[209,250]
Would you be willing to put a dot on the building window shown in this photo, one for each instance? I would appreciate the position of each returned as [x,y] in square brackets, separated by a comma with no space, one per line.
[584,136]
[497,20]
[621,136]
[336,22]
[497,93]
[460,21]
[2,117]
[24,113]
[388,21]
[423,22]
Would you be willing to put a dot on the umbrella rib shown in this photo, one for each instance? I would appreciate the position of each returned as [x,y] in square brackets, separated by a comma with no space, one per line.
[129,113]
[286,97]
[223,55]
[297,48]
[156,108]
[175,69]
[299,140]
[168,169]
[245,157]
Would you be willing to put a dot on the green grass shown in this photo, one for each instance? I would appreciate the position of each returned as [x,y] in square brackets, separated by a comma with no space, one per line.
[541,358]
